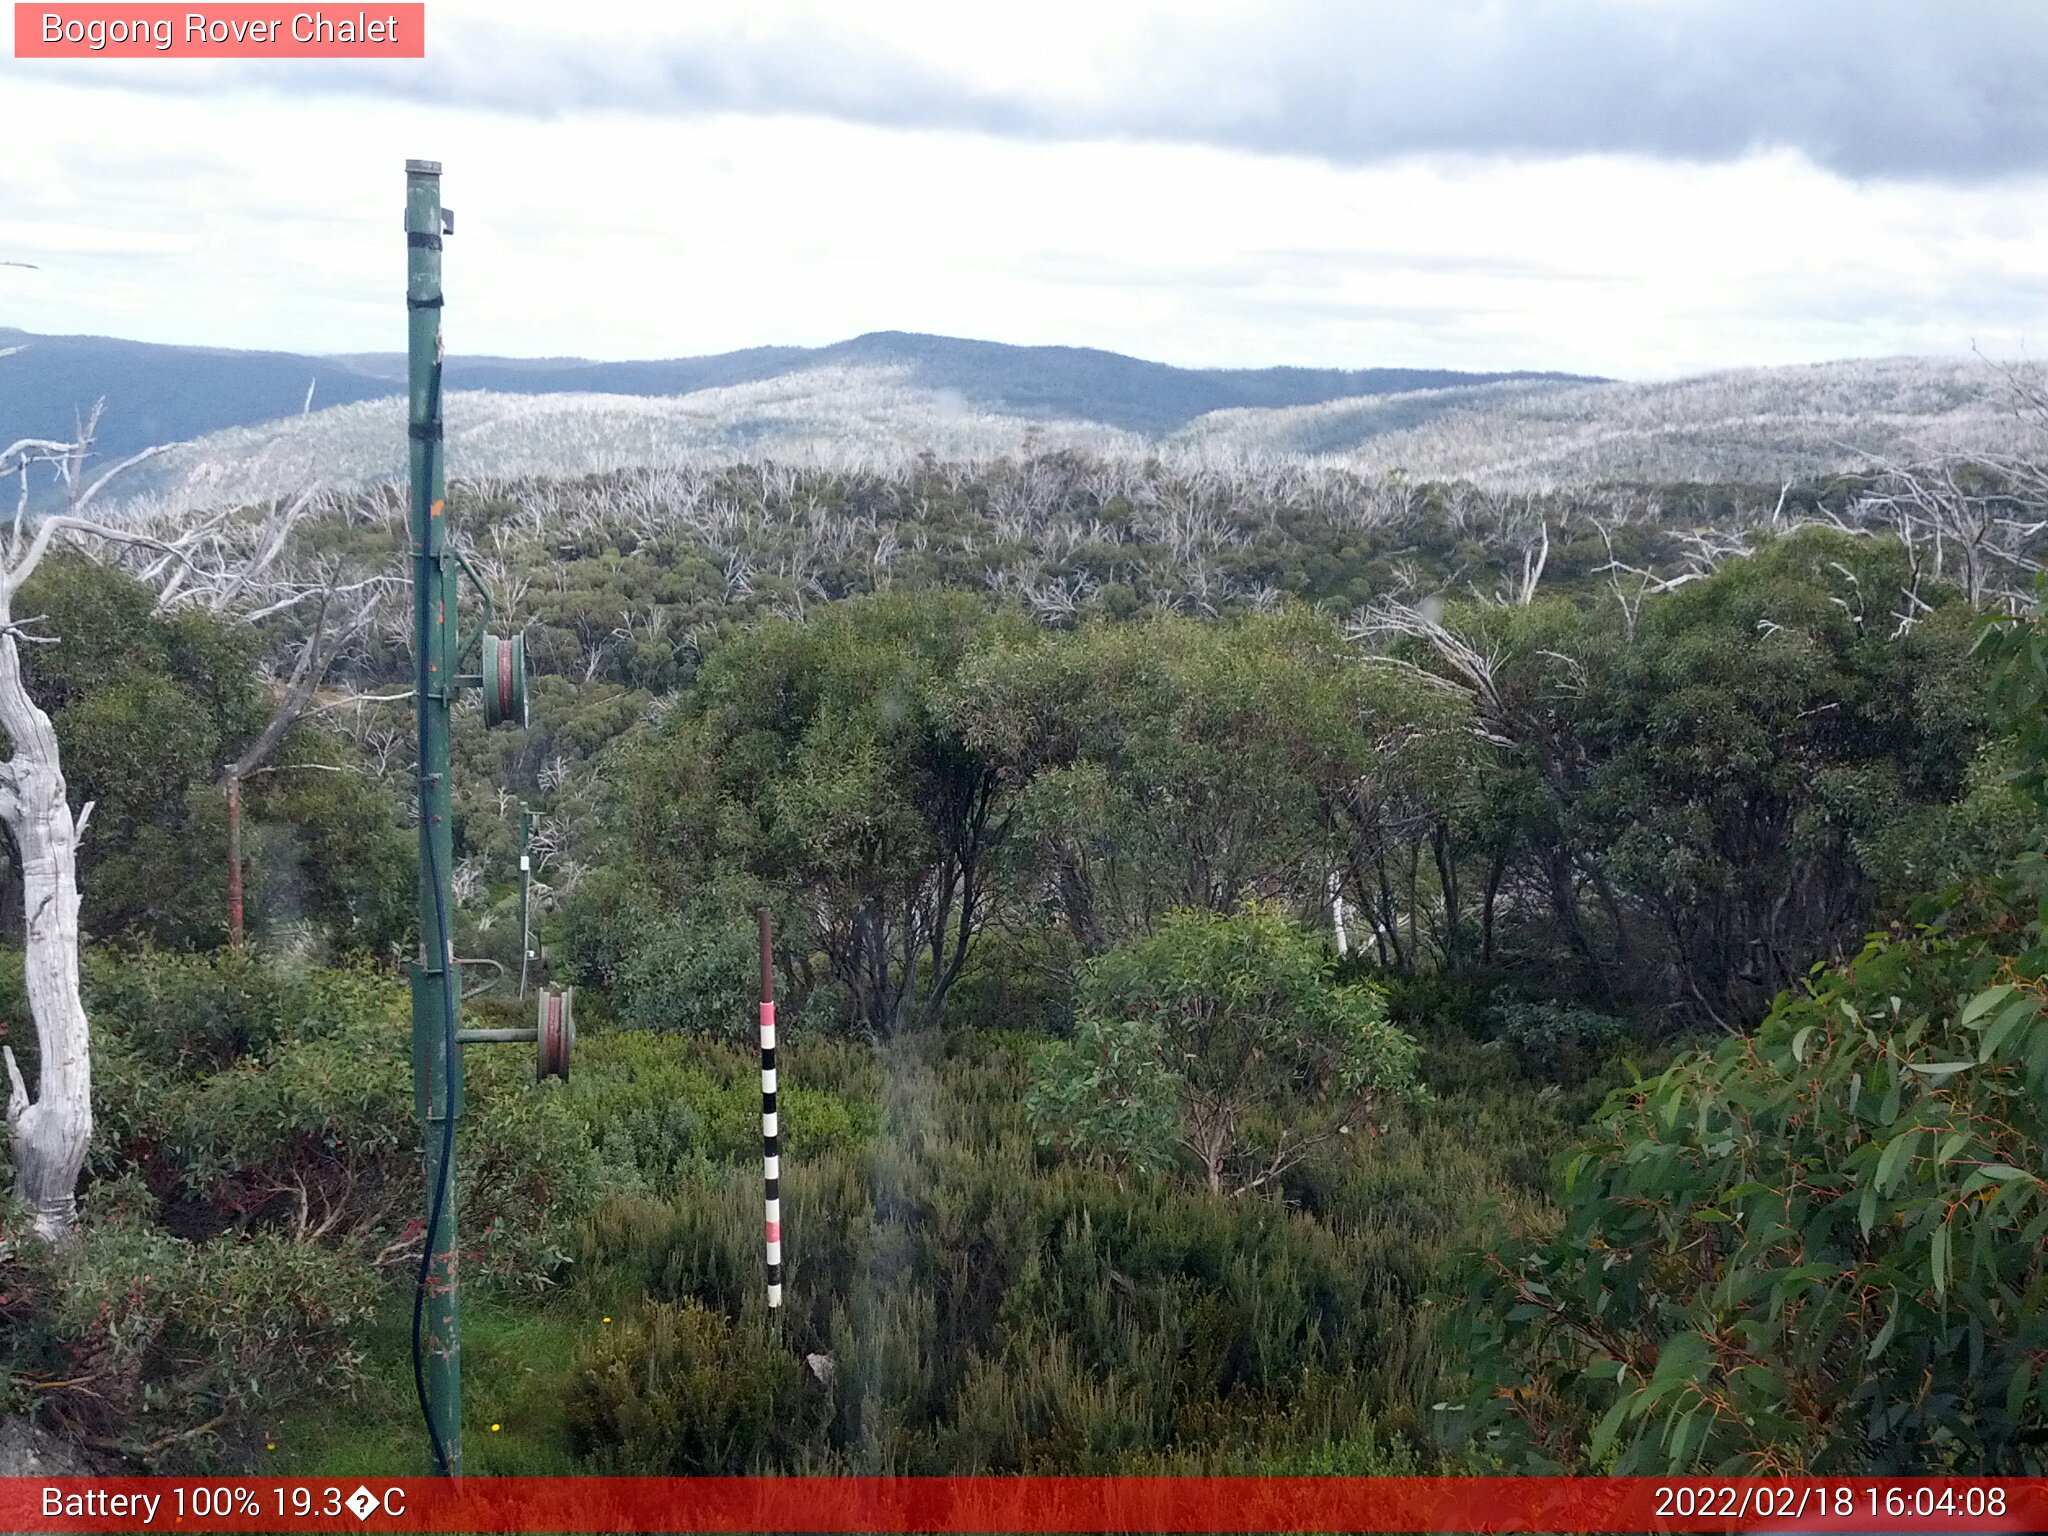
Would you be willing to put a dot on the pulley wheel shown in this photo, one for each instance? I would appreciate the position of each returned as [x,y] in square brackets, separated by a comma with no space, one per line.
[504,680]
[557,1031]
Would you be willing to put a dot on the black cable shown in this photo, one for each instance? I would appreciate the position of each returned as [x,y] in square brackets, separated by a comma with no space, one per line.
[444,950]
[447,1169]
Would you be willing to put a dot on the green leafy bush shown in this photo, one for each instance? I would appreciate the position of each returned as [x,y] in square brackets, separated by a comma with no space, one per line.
[148,704]
[1816,1249]
[985,1309]
[661,1106]
[1018,981]
[1558,1041]
[254,1097]
[696,971]
[819,761]
[678,1389]
[603,920]
[186,1014]
[1224,1039]
[144,1344]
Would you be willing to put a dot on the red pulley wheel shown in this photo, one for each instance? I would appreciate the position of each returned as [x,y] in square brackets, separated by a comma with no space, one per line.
[557,1031]
[504,680]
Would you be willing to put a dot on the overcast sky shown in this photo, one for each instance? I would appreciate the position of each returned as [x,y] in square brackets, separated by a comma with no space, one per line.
[1632,187]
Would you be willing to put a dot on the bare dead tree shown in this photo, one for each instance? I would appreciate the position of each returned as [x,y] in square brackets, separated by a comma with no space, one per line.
[1057,601]
[1535,550]
[223,562]
[50,1129]
[1973,520]
[1628,595]
[1473,671]
[342,614]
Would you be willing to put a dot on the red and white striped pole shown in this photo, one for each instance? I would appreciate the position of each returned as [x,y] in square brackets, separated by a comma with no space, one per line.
[771,1138]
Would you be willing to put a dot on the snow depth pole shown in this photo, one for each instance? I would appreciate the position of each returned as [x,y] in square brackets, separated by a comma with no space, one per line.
[771,1131]
[436,1053]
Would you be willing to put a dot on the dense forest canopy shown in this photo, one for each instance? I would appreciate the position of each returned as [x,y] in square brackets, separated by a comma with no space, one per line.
[1226,925]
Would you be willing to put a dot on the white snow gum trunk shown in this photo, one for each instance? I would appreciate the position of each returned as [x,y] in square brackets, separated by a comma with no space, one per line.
[49,1133]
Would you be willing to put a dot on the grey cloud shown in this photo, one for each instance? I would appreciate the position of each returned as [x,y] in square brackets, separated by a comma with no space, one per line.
[1868,88]
[484,64]
[1912,89]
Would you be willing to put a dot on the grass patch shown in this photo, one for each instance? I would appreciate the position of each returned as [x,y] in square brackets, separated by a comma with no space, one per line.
[515,1359]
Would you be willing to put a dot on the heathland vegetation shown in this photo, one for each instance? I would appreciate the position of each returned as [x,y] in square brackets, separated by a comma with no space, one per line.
[1284,971]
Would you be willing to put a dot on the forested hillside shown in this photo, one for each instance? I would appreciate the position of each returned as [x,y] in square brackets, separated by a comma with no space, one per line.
[165,394]
[1290,970]
[877,405]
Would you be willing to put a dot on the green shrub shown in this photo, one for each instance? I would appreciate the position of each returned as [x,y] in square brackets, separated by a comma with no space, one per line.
[162,1349]
[187,1014]
[1224,1040]
[603,919]
[1559,1042]
[1817,1249]
[677,1389]
[692,976]
[696,970]
[987,1310]
[1433,1003]
[1017,981]
[306,1129]
[661,1105]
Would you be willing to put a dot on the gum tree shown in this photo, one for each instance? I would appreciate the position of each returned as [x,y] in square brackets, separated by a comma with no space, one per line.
[50,1130]
[1223,1040]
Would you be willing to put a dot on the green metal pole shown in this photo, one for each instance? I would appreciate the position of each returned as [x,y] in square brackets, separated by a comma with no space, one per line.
[437,1059]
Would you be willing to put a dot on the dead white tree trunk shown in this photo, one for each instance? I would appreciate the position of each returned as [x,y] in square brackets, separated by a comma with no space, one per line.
[49,1132]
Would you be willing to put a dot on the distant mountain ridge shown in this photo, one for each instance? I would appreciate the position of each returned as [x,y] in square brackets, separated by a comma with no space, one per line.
[1753,426]
[157,393]
[886,399]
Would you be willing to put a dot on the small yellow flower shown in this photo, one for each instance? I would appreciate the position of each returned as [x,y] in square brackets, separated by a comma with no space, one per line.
[607,1319]
[270,1445]
[495,1428]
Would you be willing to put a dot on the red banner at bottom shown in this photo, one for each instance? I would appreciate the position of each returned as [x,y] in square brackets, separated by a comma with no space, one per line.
[997,1504]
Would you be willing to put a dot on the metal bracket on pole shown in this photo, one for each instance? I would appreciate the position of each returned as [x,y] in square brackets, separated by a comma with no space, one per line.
[469,645]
